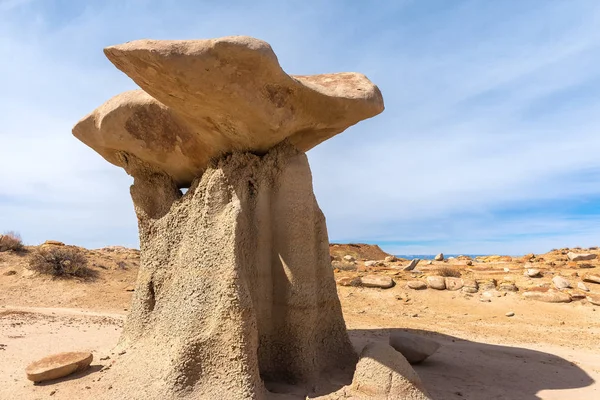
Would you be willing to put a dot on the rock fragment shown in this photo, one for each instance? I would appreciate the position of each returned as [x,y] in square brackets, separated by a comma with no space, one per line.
[58,365]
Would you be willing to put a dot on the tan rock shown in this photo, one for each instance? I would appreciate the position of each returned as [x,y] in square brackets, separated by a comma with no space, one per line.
[592,278]
[412,265]
[580,256]
[470,286]
[436,282]
[416,285]
[454,283]
[58,366]
[384,373]
[205,98]
[377,281]
[439,257]
[348,281]
[52,243]
[594,299]
[415,348]
[548,297]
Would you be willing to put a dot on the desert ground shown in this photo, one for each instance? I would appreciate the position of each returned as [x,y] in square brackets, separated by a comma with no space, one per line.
[544,351]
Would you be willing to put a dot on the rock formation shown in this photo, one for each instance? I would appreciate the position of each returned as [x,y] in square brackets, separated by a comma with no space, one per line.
[235,290]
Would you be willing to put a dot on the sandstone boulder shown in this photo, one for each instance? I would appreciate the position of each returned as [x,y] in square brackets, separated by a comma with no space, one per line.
[532,273]
[370,263]
[52,243]
[592,278]
[377,281]
[582,286]
[58,366]
[560,282]
[439,257]
[416,285]
[349,258]
[436,282]
[205,98]
[383,373]
[580,257]
[454,283]
[548,297]
[470,286]
[594,299]
[391,259]
[415,348]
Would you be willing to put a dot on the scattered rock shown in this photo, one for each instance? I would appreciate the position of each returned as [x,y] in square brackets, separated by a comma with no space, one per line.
[377,281]
[591,278]
[130,289]
[586,265]
[532,273]
[391,259]
[470,286]
[508,287]
[510,314]
[349,258]
[10,272]
[492,293]
[349,281]
[415,348]
[548,297]
[58,365]
[580,256]
[436,282]
[560,282]
[384,373]
[581,286]
[412,264]
[439,257]
[594,299]
[485,300]
[370,263]
[416,285]
[469,262]
[454,283]
[429,262]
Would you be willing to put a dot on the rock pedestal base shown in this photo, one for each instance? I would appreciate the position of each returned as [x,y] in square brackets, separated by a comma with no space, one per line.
[235,287]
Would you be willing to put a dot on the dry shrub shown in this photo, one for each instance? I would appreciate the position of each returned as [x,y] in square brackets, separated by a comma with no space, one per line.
[448,272]
[63,262]
[11,241]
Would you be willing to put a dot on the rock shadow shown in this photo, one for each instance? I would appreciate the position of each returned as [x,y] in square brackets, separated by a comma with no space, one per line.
[463,369]
[77,375]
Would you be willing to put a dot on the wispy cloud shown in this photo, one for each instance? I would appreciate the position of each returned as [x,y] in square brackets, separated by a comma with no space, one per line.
[488,142]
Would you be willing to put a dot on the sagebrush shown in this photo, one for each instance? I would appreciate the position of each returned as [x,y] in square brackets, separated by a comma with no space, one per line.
[62,262]
[11,241]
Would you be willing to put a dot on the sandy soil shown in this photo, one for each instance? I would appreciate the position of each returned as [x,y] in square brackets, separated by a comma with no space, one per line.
[545,351]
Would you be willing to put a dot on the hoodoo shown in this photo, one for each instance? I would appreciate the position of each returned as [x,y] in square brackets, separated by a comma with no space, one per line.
[235,292]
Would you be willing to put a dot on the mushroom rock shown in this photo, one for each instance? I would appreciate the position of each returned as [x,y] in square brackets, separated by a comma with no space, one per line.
[235,291]
[205,98]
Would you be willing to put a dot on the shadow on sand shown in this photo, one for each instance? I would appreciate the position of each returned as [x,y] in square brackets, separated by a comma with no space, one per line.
[462,369]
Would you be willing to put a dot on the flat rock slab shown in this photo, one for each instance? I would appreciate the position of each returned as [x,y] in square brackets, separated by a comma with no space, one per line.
[205,98]
[548,297]
[591,278]
[580,257]
[376,281]
[58,366]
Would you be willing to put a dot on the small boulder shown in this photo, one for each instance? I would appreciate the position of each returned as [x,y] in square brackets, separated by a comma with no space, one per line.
[469,262]
[439,257]
[436,282]
[581,286]
[348,281]
[548,297]
[594,299]
[580,256]
[510,314]
[560,282]
[52,243]
[58,365]
[470,286]
[391,259]
[349,258]
[415,348]
[383,373]
[377,281]
[591,278]
[454,283]
[412,264]
[370,263]
[416,285]
[532,273]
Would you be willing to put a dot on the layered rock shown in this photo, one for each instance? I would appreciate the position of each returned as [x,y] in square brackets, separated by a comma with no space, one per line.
[205,98]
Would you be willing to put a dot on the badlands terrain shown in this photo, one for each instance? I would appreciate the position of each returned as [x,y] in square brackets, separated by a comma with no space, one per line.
[510,328]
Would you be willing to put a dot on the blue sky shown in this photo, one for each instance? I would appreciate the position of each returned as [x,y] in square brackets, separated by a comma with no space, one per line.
[489,142]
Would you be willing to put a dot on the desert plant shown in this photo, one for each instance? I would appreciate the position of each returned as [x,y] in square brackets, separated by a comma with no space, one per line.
[61,262]
[448,272]
[11,241]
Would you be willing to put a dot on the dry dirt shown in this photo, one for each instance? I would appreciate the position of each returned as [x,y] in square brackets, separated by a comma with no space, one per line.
[545,351]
